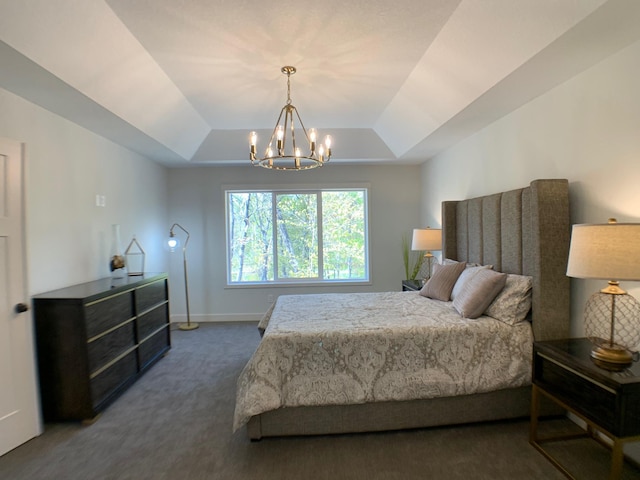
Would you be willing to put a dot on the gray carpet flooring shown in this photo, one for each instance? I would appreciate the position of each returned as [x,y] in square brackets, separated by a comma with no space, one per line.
[175,423]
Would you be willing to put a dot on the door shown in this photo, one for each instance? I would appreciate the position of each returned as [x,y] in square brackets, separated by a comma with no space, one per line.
[19,413]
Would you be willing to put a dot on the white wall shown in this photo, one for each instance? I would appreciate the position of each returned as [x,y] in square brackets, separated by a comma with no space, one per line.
[68,238]
[586,130]
[197,203]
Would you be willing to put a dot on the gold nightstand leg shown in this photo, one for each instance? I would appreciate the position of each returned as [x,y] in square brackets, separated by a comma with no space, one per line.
[533,432]
[535,411]
[617,459]
[616,445]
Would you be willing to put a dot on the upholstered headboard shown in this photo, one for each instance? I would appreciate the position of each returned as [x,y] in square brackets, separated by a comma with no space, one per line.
[524,231]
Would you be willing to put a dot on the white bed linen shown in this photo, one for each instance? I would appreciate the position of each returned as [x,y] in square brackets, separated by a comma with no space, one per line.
[335,349]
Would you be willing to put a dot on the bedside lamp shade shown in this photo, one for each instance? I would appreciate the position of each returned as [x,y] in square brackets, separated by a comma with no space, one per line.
[609,251]
[612,317]
[427,239]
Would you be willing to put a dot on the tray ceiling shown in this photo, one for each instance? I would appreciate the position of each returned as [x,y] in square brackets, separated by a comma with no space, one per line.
[184,81]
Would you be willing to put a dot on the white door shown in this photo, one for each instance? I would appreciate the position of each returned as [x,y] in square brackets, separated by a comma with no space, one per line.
[19,412]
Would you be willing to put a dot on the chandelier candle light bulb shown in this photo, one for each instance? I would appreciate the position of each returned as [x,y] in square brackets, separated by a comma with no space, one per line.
[253,139]
[280,139]
[313,135]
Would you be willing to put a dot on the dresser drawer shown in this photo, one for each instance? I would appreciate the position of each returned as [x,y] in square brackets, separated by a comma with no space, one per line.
[108,347]
[109,382]
[151,321]
[150,295]
[105,314]
[153,347]
[595,401]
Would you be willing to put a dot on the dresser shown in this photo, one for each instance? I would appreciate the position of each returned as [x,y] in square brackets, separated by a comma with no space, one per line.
[95,339]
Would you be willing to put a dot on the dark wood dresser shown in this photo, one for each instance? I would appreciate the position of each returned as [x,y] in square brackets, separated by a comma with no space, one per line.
[95,339]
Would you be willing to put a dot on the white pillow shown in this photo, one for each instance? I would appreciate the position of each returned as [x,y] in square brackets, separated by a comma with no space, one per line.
[513,303]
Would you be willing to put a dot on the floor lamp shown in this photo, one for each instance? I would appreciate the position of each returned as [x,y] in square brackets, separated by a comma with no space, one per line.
[173,243]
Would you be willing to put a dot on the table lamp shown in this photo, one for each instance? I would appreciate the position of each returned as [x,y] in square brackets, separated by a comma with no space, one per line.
[612,317]
[427,239]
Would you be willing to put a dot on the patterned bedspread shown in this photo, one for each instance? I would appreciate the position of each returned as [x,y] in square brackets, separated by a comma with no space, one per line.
[372,347]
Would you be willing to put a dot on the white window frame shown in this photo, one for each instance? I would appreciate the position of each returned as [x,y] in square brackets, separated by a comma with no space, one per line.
[299,281]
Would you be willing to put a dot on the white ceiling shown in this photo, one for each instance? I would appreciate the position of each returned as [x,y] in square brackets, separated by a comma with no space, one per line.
[184,81]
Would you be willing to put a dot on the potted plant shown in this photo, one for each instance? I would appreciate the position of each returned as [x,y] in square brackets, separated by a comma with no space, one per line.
[413,260]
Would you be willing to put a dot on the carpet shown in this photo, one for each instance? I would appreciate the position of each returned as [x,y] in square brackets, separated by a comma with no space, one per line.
[175,422]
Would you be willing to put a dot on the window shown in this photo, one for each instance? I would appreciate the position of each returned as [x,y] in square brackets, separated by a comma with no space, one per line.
[297,236]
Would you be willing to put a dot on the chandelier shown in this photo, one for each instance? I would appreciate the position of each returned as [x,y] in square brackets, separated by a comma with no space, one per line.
[287,154]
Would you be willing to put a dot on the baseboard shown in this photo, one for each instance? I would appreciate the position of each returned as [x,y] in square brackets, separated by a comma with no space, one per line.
[218,318]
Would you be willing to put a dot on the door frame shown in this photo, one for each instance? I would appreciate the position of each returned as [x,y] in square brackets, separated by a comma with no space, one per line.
[26,424]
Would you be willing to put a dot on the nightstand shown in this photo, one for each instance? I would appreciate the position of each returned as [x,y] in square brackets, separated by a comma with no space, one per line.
[411,285]
[608,402]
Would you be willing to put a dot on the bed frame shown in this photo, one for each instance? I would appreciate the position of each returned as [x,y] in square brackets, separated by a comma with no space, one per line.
[524,231]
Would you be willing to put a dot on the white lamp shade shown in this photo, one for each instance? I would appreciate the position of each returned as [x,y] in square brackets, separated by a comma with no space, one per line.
[606,251]
[428,239]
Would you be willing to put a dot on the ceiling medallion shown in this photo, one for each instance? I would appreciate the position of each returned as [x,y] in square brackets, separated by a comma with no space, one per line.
[287,154]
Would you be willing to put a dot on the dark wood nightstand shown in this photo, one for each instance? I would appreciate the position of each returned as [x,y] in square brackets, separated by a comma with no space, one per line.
[608,402]
[411,285]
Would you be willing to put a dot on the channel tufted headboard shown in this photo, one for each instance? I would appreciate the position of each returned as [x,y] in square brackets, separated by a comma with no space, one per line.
[524,231]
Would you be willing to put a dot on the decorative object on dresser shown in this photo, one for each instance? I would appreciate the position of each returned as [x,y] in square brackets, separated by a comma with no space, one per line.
[134,257]
[607,401]
[95,339]
[116,260]
[612,317]
[290,157]
[173,243]
[427,240]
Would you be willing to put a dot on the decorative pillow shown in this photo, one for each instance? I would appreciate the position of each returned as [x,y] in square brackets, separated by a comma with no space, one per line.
[442,280]
[477,293]
[464,277]
[448,261]
[514,301]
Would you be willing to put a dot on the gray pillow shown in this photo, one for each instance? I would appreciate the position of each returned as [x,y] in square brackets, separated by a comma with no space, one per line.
[464,277]
[442,280]
[514,301]
[479,292]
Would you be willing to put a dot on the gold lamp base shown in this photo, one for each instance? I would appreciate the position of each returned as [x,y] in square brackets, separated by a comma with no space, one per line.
[611,356]
[188,326]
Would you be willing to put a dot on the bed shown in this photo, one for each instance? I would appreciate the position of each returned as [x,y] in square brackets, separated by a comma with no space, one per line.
[355,383]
